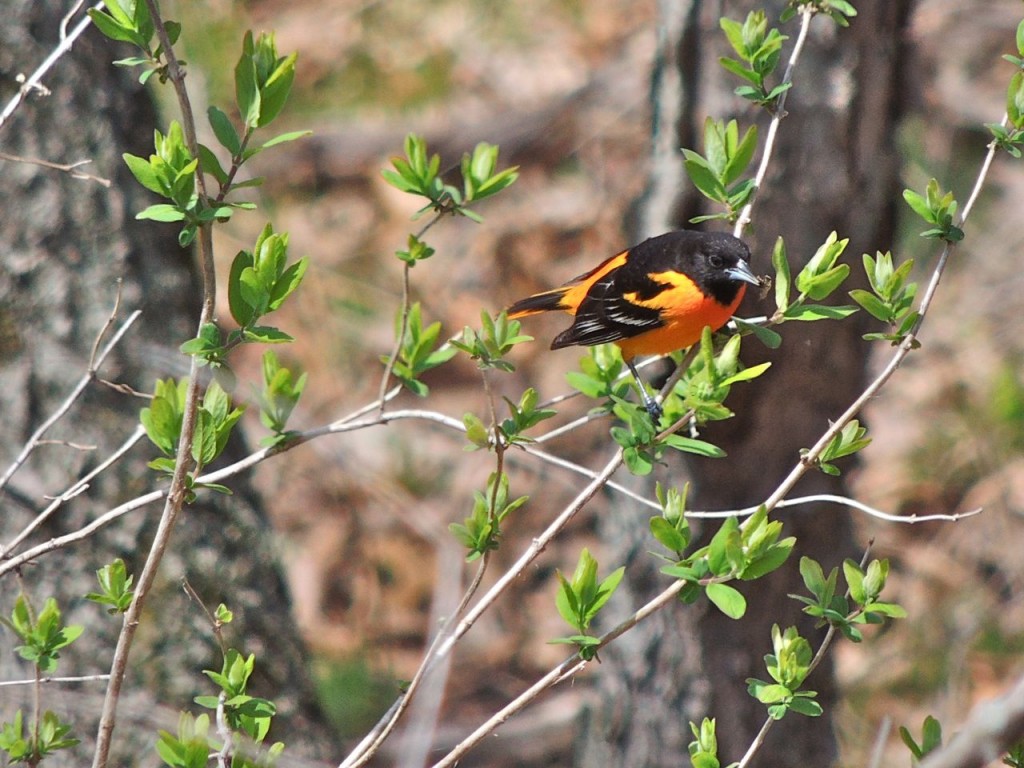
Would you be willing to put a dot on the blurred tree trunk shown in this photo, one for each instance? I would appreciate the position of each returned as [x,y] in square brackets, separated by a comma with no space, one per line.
[66,243]
[835,168]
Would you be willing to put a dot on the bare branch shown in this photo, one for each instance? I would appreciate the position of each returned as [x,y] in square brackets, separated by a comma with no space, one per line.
[73,679]
[64,407]
[69,168]
[34,81]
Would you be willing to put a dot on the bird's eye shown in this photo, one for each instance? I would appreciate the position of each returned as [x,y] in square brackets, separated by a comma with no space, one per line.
[716,261]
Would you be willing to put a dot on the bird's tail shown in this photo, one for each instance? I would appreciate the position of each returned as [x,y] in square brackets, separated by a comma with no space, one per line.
[539,302]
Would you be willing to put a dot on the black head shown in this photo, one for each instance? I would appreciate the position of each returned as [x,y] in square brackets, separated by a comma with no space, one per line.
[717,262]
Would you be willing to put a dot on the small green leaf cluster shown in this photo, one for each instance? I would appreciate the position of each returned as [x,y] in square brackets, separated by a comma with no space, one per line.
[579,600]
[278,398]
[840,11]
[523,416]
[708,380]
[716,173]
[171,173]
[416,251]
[641,446]
[819,278]
[495,339]
[891,298]
[788,665]
[931,739]
[190,747]
[938,209]
[734,552]
[162,420]
[1012,138]
[851,439]
[259,283]
[263,80]
[758,49]
[115,587]
[42,637]
[704,747]
[30,743]
[600,376]
[865,586]
[419,351]
[129,21]
[671,528]
[701,392]
[418,173]
[214,422]
[480,532]
[249,715]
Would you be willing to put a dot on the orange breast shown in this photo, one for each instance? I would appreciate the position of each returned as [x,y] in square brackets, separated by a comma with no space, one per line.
[685,316]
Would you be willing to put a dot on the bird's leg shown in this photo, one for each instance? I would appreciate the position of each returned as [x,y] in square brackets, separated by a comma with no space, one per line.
[652,406]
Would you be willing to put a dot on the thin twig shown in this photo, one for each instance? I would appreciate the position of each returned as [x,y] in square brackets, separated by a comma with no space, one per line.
[845,501]
[826,643]
[175,498]
[536,547]
[78,487]
[33,81]
[224,731]
[64,407]
[69,168]
[403,325]
[45,680]
[806,14]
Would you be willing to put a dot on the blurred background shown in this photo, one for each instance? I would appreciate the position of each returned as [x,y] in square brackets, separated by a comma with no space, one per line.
[564,89]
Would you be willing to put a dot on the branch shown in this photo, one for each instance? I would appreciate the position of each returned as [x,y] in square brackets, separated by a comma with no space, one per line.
[34,81]
[71,168]
[183,461]
[80,486]
[806,14]
[73,679]
[64,407]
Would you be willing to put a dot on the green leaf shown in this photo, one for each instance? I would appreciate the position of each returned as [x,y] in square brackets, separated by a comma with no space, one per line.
[762,333]
[822,285]
[727,538]
[874,306]
[145,173]
[224,130]
[115,30]
[161,212]
[246,90]
[806,706]
[727,599]
[811,312]
[285,138]
[667,534]
[694,446]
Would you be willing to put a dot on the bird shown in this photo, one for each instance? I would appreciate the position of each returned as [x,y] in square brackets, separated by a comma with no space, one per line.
[654,298]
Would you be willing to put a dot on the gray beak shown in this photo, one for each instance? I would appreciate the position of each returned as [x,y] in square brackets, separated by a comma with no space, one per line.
[742,272]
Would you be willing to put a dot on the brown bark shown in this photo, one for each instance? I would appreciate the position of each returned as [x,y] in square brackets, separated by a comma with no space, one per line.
[834,169]
[66,243]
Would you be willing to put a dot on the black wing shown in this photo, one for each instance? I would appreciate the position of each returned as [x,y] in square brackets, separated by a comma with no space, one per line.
[606,315]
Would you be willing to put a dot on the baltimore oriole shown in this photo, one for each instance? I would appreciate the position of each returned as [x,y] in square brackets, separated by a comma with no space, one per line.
[653,298]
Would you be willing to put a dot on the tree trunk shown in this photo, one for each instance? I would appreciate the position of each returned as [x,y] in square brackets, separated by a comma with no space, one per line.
[66,244]
[835,168]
